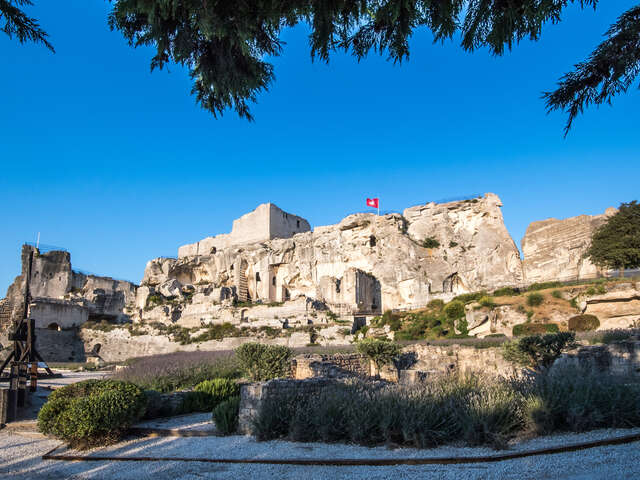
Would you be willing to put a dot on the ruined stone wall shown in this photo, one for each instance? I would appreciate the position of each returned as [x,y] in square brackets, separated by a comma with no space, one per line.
[554,249]
[59,312]
[445,359]
[252,395]
[264,223]
[60,346]
[285,225]
[330,366]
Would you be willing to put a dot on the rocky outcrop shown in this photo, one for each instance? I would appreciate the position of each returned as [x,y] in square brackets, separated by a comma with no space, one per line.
[361,266]
[617,307]
[483,321]
[554,249]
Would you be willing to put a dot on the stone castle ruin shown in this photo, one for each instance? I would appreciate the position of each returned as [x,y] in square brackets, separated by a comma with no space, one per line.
[274,271]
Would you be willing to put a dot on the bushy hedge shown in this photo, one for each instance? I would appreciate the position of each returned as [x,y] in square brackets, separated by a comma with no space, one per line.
[216,391]
[534,328]
[583,323]
[535,299]
[381,352]
[506,292]
[225,415]
[473,410]
[538,351]
[93,412]
[454,310]
[263,362]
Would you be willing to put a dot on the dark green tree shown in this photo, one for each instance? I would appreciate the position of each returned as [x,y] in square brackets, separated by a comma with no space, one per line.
[616,244]
[16,22]
[226,44]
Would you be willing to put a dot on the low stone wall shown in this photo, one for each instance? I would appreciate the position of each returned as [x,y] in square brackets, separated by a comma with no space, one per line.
[619,358]
[331,366]
[252,395]
[443,359]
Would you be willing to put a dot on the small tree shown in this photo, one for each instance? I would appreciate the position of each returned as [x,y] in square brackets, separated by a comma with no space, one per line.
[616,244]
[263,362]
[538,351]
[380,352]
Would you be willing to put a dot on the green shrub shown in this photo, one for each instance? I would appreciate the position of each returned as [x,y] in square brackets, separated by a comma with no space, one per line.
[469,297]
[505,292]
[538,351]
[426,415]
[453,244]
[381,352]
[452,409]
[92,413]
[535,299]
[216,391]
[430,242]
[436,304]
[556,294]
[454,309]
[583,323]
[487,302]
[590,291]
[533,328]
[225,415]
[612,336]
[543,286]
[388,318]
[579,399]
[264,362]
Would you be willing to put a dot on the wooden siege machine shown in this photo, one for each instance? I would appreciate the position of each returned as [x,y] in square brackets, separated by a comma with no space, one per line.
[24,357]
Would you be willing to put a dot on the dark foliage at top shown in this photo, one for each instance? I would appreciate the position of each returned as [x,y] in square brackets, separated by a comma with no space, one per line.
[610,70]
[16,22]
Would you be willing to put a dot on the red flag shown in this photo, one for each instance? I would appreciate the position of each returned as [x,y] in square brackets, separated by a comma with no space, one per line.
[372,202]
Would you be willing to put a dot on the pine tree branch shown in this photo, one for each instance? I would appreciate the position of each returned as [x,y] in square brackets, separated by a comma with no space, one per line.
[17,23]
[610,70]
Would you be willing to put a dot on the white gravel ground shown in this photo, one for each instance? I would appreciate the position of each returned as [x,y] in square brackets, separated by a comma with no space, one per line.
[20,458]
[189,422]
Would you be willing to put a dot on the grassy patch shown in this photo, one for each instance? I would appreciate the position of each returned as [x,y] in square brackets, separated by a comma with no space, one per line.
[180,370]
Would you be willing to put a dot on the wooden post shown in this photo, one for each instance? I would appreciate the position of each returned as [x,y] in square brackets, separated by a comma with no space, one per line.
[22,384]
[12,401]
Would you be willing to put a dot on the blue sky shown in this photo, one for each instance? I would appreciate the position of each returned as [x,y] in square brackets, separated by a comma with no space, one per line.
[118,165]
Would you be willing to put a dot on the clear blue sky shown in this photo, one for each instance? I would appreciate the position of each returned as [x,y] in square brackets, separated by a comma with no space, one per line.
[120,166]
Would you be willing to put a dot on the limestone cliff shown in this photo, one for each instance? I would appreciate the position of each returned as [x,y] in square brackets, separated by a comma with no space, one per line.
[554,249]
[361,266]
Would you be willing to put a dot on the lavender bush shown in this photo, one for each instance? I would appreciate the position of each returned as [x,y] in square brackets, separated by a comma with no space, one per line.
[175,371]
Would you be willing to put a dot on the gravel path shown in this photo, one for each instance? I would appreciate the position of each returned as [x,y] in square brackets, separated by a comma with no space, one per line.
[189,422]
[20,458]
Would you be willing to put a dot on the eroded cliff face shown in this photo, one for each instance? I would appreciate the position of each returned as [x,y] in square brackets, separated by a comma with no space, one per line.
[364,265]
[554,249]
